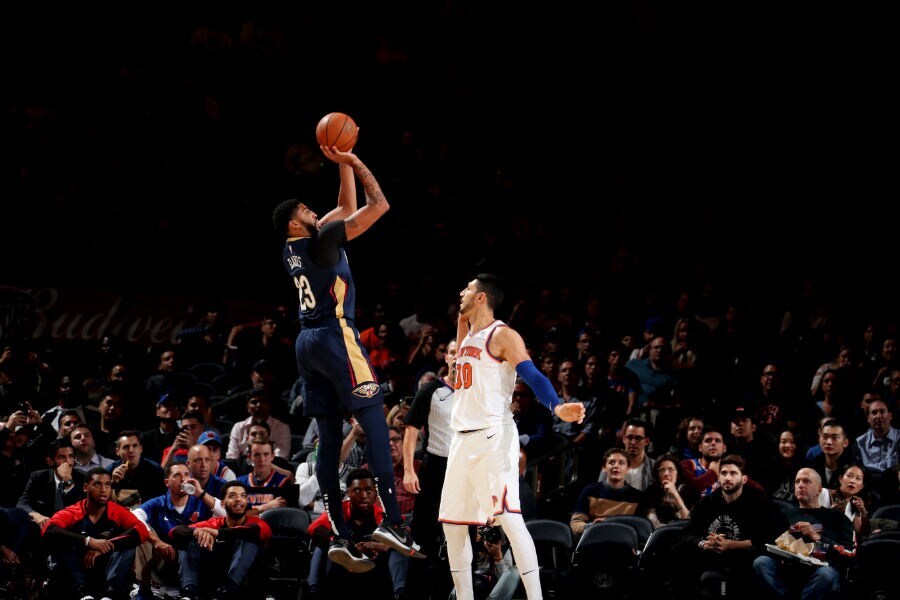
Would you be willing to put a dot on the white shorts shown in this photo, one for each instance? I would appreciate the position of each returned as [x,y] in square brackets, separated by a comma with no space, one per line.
[482,477]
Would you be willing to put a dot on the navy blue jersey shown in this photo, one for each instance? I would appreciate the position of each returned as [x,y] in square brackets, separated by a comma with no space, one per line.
[333,363]
[325,292]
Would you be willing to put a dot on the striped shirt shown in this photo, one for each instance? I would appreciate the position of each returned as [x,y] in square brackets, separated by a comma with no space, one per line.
[431,409]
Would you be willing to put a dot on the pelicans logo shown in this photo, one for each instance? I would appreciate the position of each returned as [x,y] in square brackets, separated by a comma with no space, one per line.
[366,390]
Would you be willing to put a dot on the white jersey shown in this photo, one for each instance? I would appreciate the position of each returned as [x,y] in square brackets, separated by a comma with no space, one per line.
[484,384]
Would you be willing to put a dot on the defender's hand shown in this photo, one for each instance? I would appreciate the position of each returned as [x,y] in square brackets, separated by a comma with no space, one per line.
[570,412]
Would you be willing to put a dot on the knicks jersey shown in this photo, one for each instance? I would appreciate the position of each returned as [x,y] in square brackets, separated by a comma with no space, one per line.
[324,292]
[484,384]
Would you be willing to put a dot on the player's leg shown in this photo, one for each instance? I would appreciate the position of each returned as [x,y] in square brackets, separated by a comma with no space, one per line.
[459,555]
[510,513]
[340,550]
[378,455]
[327,462]
[523,549]
[345,362]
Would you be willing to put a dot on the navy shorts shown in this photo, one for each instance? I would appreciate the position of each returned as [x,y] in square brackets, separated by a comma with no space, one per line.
[337,375]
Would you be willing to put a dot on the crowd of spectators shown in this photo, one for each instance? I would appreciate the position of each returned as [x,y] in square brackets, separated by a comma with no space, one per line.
[224,402]
[716,349]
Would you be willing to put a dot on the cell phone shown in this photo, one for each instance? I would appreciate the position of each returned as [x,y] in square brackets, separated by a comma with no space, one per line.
[24,406]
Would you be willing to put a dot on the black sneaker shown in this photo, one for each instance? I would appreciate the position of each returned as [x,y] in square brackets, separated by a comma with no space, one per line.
[344,553]
[398,538]
[224,592]
[189,593]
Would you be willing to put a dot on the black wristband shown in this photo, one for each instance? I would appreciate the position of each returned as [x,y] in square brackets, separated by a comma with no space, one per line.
[203,493]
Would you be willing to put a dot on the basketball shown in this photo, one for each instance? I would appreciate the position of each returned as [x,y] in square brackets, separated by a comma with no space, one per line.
[338,130]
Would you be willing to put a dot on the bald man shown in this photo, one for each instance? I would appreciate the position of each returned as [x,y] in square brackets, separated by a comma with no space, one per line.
[829,529]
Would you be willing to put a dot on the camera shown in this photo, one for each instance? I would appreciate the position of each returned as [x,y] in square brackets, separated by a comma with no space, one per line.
[491,535]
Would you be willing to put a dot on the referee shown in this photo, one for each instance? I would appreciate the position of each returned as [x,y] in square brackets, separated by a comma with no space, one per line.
[430,409]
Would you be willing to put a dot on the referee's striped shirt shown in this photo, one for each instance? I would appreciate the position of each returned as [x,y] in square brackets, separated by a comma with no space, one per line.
[431,409]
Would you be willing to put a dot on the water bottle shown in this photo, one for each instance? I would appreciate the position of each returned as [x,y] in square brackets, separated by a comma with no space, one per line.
[188,488]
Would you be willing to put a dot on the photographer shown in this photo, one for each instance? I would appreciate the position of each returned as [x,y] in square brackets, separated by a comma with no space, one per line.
[191,426]
[494,574]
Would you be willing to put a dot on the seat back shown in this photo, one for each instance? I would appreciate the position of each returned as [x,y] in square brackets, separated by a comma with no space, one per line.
[656,564]
[605,559]
[550,531]
[887,511]
[658,549]
[207,371]
[641,525]
[288,552]
[876,560]
[553,544]
[287,522]
[606,539]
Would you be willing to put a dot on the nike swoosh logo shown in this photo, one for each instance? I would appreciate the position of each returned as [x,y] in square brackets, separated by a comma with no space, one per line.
[492,435]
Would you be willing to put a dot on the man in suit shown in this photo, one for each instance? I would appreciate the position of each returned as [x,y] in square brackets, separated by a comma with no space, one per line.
[46,492]
[54,488]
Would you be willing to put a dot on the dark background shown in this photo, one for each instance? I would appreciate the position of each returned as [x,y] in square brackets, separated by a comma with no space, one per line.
[553,144]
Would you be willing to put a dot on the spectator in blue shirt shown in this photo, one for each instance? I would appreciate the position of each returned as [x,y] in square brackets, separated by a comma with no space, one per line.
[879,447]
[163,513]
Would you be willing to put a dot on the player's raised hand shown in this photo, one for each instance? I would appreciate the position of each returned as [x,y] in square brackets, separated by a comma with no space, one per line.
[570,412]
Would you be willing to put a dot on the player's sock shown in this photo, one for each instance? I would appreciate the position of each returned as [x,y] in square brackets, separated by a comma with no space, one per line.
[330,440]
[523,549]
[459,554]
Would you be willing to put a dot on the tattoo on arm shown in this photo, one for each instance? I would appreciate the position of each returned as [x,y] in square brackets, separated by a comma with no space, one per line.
[350,223]
[374,195]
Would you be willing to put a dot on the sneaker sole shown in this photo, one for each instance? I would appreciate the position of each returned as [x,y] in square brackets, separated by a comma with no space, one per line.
[351,564]
[391,542]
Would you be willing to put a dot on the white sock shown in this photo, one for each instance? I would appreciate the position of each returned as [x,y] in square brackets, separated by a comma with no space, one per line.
[523,552]
[459,554]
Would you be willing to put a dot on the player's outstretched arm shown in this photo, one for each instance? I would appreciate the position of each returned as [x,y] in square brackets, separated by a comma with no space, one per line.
[376,204]
[508,345]
[346,203]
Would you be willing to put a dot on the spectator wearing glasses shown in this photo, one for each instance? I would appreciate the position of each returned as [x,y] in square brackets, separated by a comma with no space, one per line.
[640,470]
[405,498]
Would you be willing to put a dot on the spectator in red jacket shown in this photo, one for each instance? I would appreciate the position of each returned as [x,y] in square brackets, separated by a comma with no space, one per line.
[222,545]
[363,514]
[93,542]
